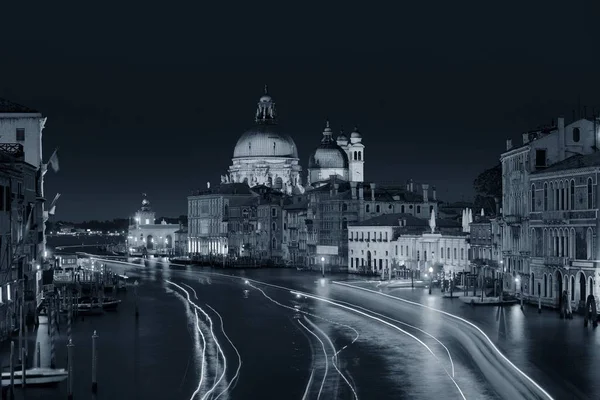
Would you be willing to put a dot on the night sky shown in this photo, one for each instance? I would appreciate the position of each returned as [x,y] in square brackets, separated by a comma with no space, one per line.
[152,96]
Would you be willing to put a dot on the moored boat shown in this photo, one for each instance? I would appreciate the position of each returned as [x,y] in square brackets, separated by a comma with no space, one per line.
[110,303]
[36,376]
[89,306]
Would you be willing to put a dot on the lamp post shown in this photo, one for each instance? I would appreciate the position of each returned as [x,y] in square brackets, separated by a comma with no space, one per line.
[430,278]
[323,266]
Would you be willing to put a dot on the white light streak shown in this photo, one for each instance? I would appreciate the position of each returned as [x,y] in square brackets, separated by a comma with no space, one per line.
[219,349]
[334,358]
[308,385]
[237,372]
[385,323]
[466,322]
[326,358]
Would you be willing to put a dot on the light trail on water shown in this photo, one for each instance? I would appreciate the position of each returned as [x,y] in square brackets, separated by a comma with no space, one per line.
[325,358]
[334,358]
[216,341]
[323,319]
[237,372]
[534,383]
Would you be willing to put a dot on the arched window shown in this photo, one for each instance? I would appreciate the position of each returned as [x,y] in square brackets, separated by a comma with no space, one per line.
[532,198]
[589,243]
[359,156]
[545,196]
[545,285]
[274,244]
[377,208]
[576,135]
[531,285]
[572,195]
[550,286]
[356,155]
[590,196]
[462,254]
[572,288]
[448,253]
[367,208]
[274,226]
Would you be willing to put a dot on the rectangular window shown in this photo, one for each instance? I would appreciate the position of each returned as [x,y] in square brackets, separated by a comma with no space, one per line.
[540,158]
[20,135]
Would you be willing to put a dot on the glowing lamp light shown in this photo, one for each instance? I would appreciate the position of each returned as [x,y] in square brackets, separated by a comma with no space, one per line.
[246,282]
[516,280]
[45,253]
[430,270]
[425,275]
[322,259]
[298,295]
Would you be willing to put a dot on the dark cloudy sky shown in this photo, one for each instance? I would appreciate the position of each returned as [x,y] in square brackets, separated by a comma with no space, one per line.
[152,96]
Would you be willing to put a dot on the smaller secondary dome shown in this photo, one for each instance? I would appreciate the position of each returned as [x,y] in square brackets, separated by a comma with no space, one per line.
[329,154]
[342,139]
[266,99]
[355,136]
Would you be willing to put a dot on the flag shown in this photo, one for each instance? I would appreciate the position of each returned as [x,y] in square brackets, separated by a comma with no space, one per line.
[53,161]
[56,197]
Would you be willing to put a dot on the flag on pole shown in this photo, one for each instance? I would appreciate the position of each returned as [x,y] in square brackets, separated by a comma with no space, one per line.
[53,161]
[56,197]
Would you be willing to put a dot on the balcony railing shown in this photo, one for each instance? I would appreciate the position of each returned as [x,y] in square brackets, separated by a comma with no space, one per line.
[513,219]
[554,217]
[556,261]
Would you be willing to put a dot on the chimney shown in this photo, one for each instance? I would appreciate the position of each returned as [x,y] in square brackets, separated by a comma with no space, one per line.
[508,144]
[361,193]
[525,138]
[433,193]
[336,187]
[408,186]
[561,139]
[498,209]
[353,189]
[372,191]
[425,188]
[411,186]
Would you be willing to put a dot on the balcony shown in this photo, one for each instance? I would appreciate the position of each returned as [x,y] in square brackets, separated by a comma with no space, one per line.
[512,219]
[561,217]
[556,261]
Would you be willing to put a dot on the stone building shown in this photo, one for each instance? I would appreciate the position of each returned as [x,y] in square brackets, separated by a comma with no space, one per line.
[563,227]
[399,241]
[335,205]
[485,241]
[540,149]
[295,231]
[20,217]
[146,237]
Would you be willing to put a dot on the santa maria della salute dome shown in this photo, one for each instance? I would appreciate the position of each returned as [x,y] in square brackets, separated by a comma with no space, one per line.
[264,155]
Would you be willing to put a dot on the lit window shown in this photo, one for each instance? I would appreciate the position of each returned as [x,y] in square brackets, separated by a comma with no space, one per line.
[147,221]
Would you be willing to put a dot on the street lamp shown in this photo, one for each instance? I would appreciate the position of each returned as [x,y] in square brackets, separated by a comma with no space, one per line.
[323,266]
[430,278]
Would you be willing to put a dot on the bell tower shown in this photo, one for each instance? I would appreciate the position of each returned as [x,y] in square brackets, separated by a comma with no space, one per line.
[356,157]
[145,215]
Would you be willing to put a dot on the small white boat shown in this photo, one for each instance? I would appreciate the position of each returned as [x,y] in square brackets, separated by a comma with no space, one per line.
[37,376]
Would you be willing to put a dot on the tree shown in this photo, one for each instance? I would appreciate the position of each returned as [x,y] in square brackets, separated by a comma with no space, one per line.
[488,187]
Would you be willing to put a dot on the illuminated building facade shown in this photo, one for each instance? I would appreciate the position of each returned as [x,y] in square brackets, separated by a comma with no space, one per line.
[264,155]
[146,237]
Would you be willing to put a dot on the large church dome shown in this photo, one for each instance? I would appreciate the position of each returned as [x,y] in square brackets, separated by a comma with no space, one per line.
[329,154]
[265,140]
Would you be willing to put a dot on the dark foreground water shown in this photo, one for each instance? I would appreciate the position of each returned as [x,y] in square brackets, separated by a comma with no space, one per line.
[206,335]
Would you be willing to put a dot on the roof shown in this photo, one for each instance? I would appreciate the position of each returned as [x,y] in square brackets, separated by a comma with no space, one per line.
[411,221]
[7,106]
[242,201]
[393,220]
[574,162]
[225,188]
[299,205]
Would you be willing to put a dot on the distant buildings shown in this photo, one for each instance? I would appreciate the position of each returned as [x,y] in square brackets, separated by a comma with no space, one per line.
[263,213]
[397,241]
[146,237]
